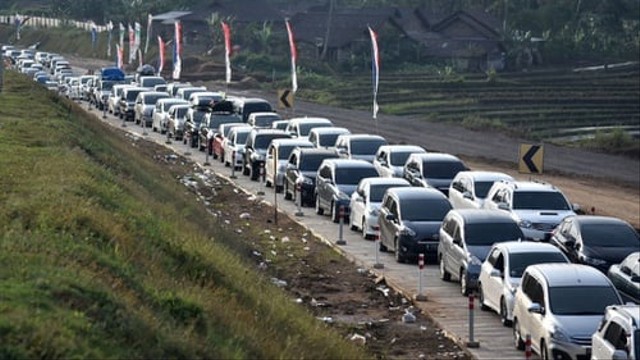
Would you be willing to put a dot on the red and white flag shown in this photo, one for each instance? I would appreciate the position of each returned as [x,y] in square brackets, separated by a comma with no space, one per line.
[226,30]
[161,54]
[375,69]
[177,51]
[294,57]
[132,44]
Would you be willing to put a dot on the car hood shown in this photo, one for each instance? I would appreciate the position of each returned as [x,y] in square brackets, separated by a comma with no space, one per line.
[480,252]
[368,158]
[543,216]
[579,325]
[424,229]
[610,254]
[347,189]
[440,184]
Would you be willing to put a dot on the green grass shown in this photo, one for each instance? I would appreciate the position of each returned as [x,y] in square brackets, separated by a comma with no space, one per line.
[104,254]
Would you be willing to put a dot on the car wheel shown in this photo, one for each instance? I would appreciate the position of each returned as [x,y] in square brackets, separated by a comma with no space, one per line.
[503,313]
[221,157]
[444,274]
[544,352]
[319,209]
[245,170]
[383,247]
[483,306]
[517,338]
[464,289]
[399,257]
[287,196]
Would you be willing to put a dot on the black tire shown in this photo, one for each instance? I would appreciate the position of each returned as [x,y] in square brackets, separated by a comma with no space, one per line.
[544,352]
[517,338]
[319,209]
[399,257]
[503,313]
[444,274]
[279,188]
[383,247]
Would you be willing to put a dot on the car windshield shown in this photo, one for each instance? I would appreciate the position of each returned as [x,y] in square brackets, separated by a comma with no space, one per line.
[226,130]
[256,107]
[424,210]
[262,142]
[107,85]
[181,112]
[376,192]
[306,128]
[441,169]
[482,188]
[241,137]
[539,200]
[152,82]
[398,158]
[311,162]
[132,95]
[488,233]
[593,299]
[284,151]
[636,341]
[353,175]
[152,99]
[519,261]
[266,120]
[609,235]
[366,146]
[328,139]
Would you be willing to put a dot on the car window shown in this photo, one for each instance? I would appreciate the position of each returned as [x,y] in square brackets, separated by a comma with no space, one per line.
[284,151]
[325,172]
[398,158]
[424,210]
[609,235]
[241,137]
[518,262]
[351,176]
[441,169]
[486,233]
[593,299]
[366,146]
[328,139]
[376,192]
[304,129]
[311,162]
[493,256]
[481,188]
[539,200]
[616,336]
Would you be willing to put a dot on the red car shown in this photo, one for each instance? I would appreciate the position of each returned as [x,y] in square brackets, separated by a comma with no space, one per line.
[217,148]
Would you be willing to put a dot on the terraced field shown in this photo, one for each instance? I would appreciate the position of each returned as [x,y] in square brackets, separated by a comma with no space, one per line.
[551,105]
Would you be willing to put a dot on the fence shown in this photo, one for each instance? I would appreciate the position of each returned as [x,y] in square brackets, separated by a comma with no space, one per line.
[46,22]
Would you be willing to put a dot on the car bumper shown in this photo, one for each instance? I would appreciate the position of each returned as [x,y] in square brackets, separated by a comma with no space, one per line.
[371,225]
[536,235]
[412,248]
[561,350]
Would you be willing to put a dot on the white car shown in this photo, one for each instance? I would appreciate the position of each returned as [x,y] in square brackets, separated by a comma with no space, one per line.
[366,201]
[560,306]
[469,189]
[113,103]
[359,146]
[263,119]
[502,270]
[234,146]
[274,168]
[300,127]
[161,113]
[390,159]
[537,207]
[325,137]
[618,336]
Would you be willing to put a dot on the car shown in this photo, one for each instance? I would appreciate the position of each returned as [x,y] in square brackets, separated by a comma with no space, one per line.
[176,117]
[300,174]
[410,220]
[149,82]
[365,203]
[145,105]
[618,336]
[277,158]
[598,241]
[161,88]
[390,159]
[560,306]
[325,137]
[466,236]
[263,119]
[255,150]
[205,98]
[172,87]
[245,106]
[113,103]
[336,180]
[161,113]
[128,102]
[220,136]
[626,277]
[194,119]
[221,112]
[300,127]
[359,146]
[502,270]
[469,189]
[184,92]
[435,170]
[234,146]
[536,206]
[280,124]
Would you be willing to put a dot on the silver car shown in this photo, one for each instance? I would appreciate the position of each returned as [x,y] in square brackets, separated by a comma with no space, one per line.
[560,306]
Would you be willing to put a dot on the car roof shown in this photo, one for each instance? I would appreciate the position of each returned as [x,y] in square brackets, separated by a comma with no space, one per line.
[153,93]
[402,148]
[317,151]
[314,120]
[559,274]
[416,192]
[330,130]
[238,129]
[348,163]
[263,113]
[527,247]
[523,185]
[361,136]
[173,100]
[597,219]
[630,311]
[485,175]
[268,131]
[483,215]
[287,141]
[384,181]
[432,156]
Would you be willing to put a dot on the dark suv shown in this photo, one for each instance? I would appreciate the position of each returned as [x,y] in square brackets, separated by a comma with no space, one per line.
[301,171]
[336,180]
[255,150]
[434,170]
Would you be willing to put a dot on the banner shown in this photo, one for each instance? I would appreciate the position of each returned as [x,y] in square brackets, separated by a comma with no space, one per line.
[149,22]
[119,57]
[138,38]
[161,55]
[227,49]
[177,51]
[375,69]
[132,44]
[109,38]
[294,57]
[122,29]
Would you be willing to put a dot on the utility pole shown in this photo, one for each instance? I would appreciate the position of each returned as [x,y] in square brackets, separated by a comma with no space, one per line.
[327,34]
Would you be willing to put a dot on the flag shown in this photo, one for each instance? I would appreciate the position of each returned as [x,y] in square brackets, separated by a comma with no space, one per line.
[149,22]
[177,51]
[375,69]
[132,44]
[110,30]
[119,57]
[138,38]
[122,29]
[294,57]
[227,49]
[94,34]
[19,22]
[160,54]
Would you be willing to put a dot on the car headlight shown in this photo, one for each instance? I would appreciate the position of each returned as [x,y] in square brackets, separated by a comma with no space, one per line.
[405,231]
[524,224]
[593,261]
[473,260]
[557,334]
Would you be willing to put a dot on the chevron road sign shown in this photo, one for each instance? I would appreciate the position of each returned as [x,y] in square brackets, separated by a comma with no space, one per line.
[531,159]
[285,99]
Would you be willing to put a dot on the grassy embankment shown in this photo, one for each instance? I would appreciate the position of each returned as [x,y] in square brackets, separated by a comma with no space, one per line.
[104,255]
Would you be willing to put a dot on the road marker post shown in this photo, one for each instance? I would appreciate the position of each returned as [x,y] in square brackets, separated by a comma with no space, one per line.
[143,122]
[233,165]
[376,244]
[261,180]
[298,191]
[341,240]
[527,347]
[206,155]
[168,141]
[189,142]
[471,343]
[104,112]
[420,296]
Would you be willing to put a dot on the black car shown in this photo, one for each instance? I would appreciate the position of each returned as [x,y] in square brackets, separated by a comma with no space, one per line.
[301,172]
[336,180]
[195,116]
[626,277]
[598,241]
[435,170]
[255,150]
[221,113]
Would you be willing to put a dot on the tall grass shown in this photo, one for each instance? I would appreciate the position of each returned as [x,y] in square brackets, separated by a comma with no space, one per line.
[104,255]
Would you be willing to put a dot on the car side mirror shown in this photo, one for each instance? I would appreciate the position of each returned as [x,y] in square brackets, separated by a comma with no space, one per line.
[535,308]
[619,355]
[467,195]
[495,273]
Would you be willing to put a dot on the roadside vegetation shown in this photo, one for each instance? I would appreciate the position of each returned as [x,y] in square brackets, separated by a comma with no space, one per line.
[105,255]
